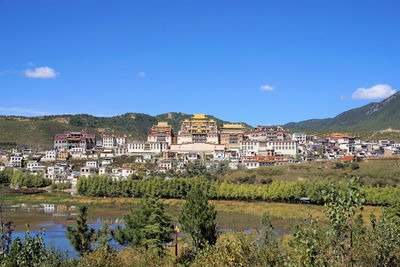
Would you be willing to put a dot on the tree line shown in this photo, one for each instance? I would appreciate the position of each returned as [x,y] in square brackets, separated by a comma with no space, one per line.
[290,192]
[23,179]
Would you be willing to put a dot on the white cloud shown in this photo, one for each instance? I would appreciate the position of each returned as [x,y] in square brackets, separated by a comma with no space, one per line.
[41,72]
[266,87]
[378,91]
[21,111]
[30,64]
[142,74]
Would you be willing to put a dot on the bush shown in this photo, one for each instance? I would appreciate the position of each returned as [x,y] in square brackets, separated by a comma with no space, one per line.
[355,166]
[5,176]
[339,165]
[247,179]
[266,181]
[61,186]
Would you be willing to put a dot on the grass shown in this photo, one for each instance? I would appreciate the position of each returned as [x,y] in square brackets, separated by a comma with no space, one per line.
[371,172]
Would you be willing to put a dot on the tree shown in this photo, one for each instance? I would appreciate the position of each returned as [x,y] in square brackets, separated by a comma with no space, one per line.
[5,237]
[80,235]
[308,243]
[384,241]
[29,252]
[266,234]
[394,206]
[148,225]
[343,209]
[195,168]
[197,218]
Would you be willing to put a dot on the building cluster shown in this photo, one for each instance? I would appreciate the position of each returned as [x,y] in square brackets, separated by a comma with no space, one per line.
[199,138]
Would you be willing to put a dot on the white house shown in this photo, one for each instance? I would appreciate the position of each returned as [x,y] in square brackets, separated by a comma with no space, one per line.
[284,147]
[106,161]
[16,161]
[120,141]
[109,142]
[249,147]
[86,171]
[77,152]
[51,155]
[299,137]
[147,147]
[121,150]
[34,166]
[251,164]
[92,164]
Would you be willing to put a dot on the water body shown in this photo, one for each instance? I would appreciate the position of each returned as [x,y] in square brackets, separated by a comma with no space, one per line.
[53,219]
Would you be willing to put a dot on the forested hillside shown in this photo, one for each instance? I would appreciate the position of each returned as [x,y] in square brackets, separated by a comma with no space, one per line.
[374,116]
[39,132]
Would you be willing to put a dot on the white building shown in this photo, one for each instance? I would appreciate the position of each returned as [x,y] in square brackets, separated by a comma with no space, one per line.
[165,164]
[107,153]
[87,171]
[16,161]
[284,147]
[77,152]
[299,137]
[120,141]
[121,150]
[92,164]
[111,141]
[58,173]
[121,173]
[51,155]
[107,161]
[251,164]
[249,147]
[103,171]
[147,147]
[34,166]
[219,155]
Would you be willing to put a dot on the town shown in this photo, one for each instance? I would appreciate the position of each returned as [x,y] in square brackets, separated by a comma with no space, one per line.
[77,154]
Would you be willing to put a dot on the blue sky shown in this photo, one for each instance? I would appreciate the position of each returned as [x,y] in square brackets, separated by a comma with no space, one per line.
[253,61]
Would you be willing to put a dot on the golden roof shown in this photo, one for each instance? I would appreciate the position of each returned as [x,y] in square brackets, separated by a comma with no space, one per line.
[232,125]
[161,125]
[337,134]
[199,116]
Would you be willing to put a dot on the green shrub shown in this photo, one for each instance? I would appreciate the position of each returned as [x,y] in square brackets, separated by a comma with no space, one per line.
[355,166]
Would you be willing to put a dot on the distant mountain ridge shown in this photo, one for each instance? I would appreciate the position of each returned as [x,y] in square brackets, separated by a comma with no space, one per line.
[373,116]
[39,132]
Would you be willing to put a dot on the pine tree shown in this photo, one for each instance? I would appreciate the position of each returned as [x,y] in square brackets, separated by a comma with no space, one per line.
[148,225]
[80,235]
[198,219]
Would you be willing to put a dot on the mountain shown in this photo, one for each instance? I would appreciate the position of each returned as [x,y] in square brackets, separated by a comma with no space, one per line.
[373,116]
[39,132]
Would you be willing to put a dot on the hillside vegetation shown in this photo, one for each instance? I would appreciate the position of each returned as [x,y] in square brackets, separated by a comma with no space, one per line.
[373,116]
[375,172]
[39,132]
